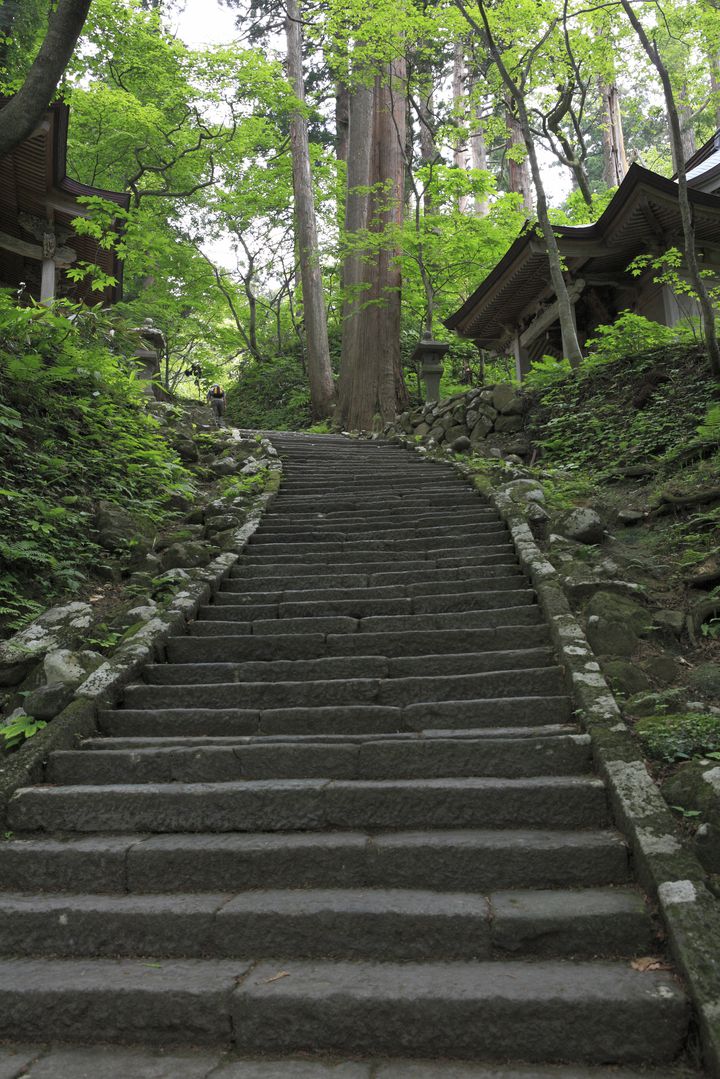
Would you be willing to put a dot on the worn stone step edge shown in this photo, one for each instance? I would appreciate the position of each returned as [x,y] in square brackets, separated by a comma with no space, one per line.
[478,859]
[386,924]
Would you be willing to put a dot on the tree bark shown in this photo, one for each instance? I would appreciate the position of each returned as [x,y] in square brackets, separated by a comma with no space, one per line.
[460,156]
[518,171]
[707,311]
[342,116]
[371,381]
[714,63]
[322,389]
[614,159]
[23,112]
[426,116]
[478,158]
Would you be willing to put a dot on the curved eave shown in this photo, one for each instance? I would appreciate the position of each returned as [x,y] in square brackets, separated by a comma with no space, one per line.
[478,318]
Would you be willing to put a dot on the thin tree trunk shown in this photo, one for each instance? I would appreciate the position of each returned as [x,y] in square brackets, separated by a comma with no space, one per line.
[21,115]
[687,131]
[322,390]
[707,310]
[458,91]
[614,159]
[371,380]
[518,171]
[571,346]
[426,110]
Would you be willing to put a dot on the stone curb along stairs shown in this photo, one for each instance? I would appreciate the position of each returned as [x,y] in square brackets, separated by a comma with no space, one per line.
[351,815]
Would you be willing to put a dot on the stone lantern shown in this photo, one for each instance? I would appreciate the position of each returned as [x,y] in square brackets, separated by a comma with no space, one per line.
[148,356]
[429,354]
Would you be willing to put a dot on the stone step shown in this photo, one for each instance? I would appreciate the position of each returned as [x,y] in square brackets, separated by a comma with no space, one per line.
[398,691]
[337,720]
[119,1062]
[398,759]
[211,640]
[527,615]
[227,607]
[286,503]
[430,547]
[598,1012]
[377,571]
[334,534]
[277,522]
[107,742]
[332,667]
[480,581]
[312,805]
[441,860]
[350,924]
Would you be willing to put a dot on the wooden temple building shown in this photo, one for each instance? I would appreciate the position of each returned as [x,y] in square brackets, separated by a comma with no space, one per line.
[38,202]
[514,311]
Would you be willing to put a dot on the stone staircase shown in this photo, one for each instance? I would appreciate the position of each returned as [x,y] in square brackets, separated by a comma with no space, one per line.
[350,816]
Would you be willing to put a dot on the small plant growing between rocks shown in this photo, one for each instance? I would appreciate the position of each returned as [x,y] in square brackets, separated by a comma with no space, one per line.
[679,736]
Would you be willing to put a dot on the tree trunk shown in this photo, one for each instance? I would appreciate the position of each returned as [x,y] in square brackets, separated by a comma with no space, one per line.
[518,171]
[707,311]
[687,131]
[371,381]
[714,63]
[342,105]
[23,112]
[478,158]
[614,159]
[458,92]
[426,116]
[322,390]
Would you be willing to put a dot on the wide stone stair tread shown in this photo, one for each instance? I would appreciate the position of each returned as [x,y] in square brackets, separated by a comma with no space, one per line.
[312,805]
[400,759]
[361,923]
[481,860]
[120,1062]
[332,667]
[597,1012]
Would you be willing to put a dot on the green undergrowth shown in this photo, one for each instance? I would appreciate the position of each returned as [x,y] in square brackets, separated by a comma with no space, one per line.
[270,396]
[73,431]
[680,736]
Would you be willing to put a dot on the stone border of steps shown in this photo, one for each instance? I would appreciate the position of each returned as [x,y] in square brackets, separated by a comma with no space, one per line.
[668,870]
[104,687]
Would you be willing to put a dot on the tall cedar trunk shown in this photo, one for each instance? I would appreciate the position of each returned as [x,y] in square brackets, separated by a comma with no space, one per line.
[518,171]
[714,62]
[23,112]
[458,92]
[322,390]
[707,311]
[371,379]
[426,109]
[478,156]
[614,159]
[342,116]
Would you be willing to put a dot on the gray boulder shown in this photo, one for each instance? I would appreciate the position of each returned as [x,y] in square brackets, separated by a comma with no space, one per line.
[482,429]
[48,701]
[59,627]
[509,425]
[64,667]
[461,444]
[118,528]
[583,525]
[184,555]
[225,466]
[705,680]
[508,401]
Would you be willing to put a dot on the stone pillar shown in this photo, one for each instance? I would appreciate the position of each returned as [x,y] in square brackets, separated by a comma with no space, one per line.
[429,355]
[148,354]
[522,358]
[47,281]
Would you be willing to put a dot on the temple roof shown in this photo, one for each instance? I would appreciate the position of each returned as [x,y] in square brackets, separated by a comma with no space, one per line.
[703,168]
[34,185]
[643,216]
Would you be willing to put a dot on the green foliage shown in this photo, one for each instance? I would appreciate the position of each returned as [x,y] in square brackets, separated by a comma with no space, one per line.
[19,730]
[237,486]
[628,335]
[270,396]
[680,735]
[73,430]
[624,407]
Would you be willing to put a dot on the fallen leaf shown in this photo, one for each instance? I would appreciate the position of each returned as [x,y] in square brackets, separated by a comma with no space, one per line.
[649,962]
[277,977]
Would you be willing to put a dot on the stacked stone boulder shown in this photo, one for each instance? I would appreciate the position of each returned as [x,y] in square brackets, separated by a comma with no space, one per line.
[490,417]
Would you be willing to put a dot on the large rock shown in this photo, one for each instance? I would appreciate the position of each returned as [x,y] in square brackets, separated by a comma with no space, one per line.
[226,466]
[184,555]
[48,701]
[525,491]
[617,608]
[508,401]
[461,444]
[482,429]
[117,528]
[509,425]
[64,667]
[59,627]
[615,624]
[705,680]
[625,678]
[583,525]
[669,621]
[457,431]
